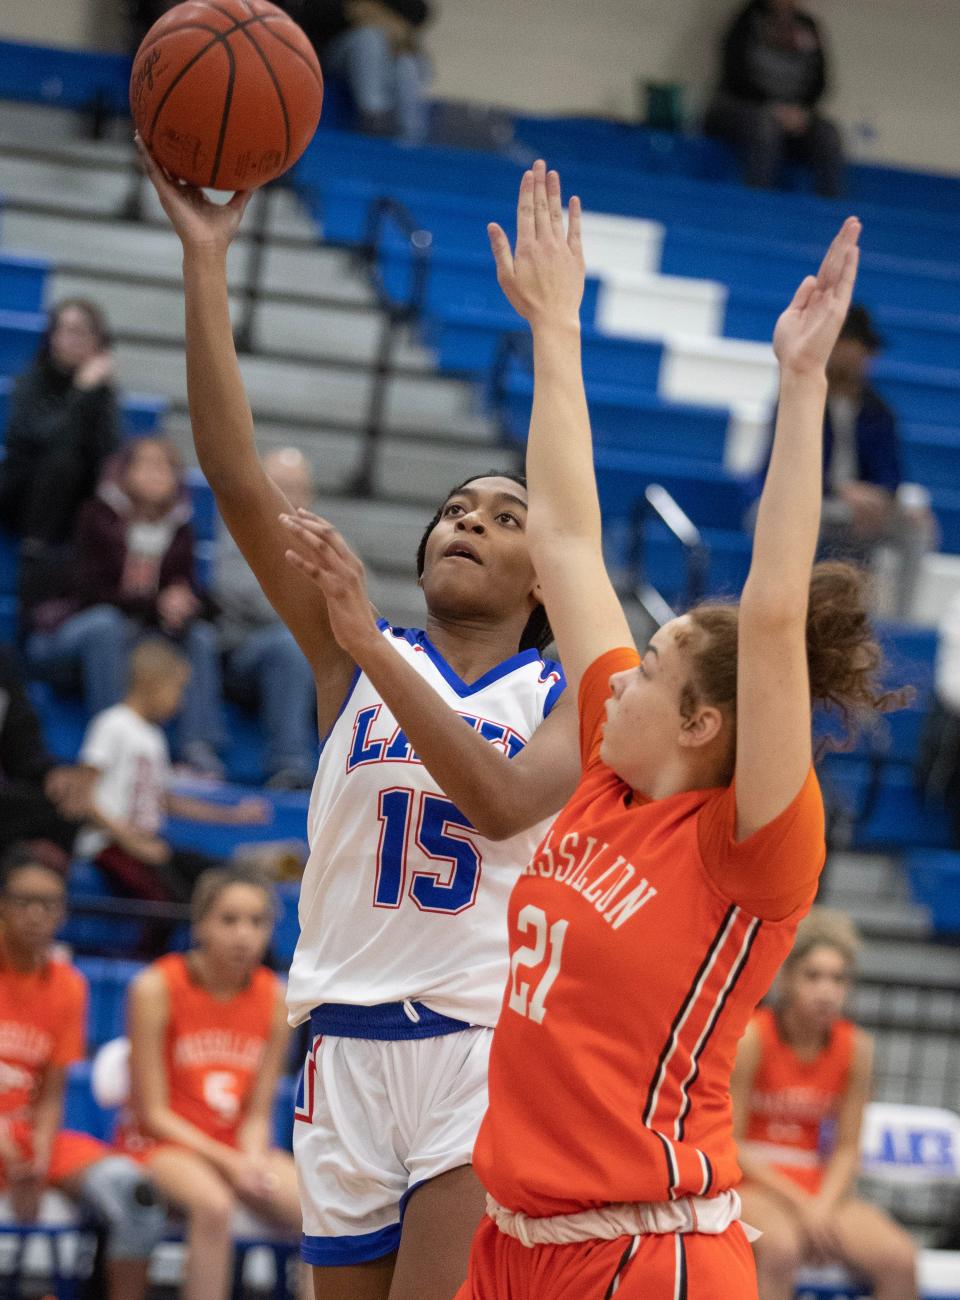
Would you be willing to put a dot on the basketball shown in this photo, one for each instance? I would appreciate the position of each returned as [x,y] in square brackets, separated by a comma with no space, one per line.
[226,93]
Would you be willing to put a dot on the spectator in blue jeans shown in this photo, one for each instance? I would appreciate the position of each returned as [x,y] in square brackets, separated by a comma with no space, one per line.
[773,76]
[264,666]
[133,575]
[374,46]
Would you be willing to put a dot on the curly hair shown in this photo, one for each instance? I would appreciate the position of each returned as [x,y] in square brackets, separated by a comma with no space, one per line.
[537,633]
[844,659]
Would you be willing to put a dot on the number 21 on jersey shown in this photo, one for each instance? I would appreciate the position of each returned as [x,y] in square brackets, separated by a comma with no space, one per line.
[524,999]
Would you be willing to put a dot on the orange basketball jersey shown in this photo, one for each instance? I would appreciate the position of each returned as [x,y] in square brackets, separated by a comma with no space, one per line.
[213,1049]
[42,1023]
[794,1103]
[633,974]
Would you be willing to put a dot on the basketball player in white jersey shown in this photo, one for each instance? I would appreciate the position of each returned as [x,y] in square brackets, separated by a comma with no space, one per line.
[402,957]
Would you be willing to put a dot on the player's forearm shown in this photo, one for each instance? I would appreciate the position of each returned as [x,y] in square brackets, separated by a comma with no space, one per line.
[560,475]
[167,1126]
[839,1174]
[219,410]
[764,1175]
[139,844]
[788,518]
[478,778]
[200,810]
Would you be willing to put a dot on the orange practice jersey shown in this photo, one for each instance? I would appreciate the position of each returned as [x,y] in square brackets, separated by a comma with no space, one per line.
[213,1050]
[42,1023]
[794,1104]
[633,975]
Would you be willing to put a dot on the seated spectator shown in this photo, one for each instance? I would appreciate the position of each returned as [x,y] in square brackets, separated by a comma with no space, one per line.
[43,1005]
[208,1044]
[263,665]
[134,574]
[800,1084]
[41,800]
[866,505]
[127,748]
[773,76]
[64,423]
[374,46]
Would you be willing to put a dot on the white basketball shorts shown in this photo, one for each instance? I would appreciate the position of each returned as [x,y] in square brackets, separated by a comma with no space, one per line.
[374,1119]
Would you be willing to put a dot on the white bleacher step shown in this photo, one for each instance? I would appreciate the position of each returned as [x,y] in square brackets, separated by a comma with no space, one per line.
[328,333]
[871,875]
[613,243]
[644,305]
[409,469]
[386,534]
[326,394]
[939,1277]
[398,599]
[84,183]
[134,251]
[45,126]
[938,585]
[717,371]
[345,332]
[927,965]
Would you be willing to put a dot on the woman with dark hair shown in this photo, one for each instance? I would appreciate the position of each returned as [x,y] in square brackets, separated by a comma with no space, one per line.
[401,957]
[64,423]
[133,574]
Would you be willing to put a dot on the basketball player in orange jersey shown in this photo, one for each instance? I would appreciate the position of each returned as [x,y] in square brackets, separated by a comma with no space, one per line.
[800,1085]
[43,1005]
[659,906]
[208,1039]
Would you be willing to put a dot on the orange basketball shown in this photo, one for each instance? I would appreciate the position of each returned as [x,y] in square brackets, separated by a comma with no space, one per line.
[226,93]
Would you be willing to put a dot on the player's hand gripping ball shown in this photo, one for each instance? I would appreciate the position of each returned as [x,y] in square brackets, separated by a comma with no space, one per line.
[226,93]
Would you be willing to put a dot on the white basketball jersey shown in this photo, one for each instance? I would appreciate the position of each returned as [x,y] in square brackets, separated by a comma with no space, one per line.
[401,898]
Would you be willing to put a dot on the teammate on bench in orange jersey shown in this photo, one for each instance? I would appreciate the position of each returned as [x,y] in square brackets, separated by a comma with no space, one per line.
[208,1041]
[800,1085]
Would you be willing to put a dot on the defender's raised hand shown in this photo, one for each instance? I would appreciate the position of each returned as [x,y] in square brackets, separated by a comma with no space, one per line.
[543,276]
[807,331]
[319,552]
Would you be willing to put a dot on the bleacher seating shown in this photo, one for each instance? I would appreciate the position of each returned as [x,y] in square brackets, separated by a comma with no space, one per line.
[700,297]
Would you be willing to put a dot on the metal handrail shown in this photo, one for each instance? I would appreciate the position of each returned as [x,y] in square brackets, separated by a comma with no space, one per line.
[657,502]
[516,345]
[395,315]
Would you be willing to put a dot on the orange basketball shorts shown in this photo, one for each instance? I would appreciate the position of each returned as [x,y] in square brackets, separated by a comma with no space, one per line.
[693,1266]
[71,1153]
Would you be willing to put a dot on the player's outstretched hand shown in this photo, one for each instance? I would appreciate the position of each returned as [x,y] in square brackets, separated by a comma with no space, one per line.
[808,329]
[199,222]
[543,276]
[319,552]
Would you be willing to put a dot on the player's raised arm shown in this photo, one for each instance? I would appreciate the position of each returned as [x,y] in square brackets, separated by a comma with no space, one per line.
[773,678]
[543,279]
[223,427]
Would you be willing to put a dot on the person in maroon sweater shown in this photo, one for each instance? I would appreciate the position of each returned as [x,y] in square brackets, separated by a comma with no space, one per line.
[134,576]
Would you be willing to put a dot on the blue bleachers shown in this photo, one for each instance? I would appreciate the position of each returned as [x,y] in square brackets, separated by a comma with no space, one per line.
[22,282]
[65,78]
